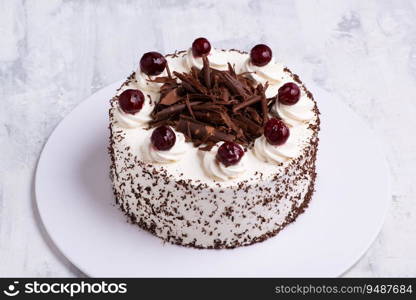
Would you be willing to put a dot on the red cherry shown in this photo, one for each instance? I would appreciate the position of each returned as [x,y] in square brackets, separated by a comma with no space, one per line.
[131,101]
[152,63]
[163,138]
[260,55]
[276,132]
[230,153]
[200,47]
[289,93]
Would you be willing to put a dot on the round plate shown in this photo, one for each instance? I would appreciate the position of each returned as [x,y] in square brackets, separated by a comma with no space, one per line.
[76,204]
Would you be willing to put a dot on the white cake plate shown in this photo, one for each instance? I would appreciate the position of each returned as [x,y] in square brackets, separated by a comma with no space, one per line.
[76,205]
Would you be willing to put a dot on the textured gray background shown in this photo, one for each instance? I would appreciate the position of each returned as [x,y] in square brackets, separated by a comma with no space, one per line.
[54,54]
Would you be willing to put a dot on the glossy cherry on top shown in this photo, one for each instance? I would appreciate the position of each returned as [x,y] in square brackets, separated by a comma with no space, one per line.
[201,46]
[276,132]
[289,93]
[230,153]
[163,138]
[152,63]
[131,101]
[260,55]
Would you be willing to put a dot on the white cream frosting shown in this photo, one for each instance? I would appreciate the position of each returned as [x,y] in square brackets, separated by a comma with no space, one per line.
[272,153]
[127,120]
[174,154]
[296,114]
[218,171]
[148,86]
[139,119]
[217,60]
[272,72]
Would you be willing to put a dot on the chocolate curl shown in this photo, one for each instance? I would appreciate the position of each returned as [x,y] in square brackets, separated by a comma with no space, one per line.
[207,106]
[188,131]
[248,125]
[168,71]
[167,83]
[231,70]
[209,116]
[201,130]
[215,81]
[172,110]
[254,115]
[224,94]
[191,84]
[188,87]
[170,98]
[246,103]
[166,88]
[169,111]
[234,85]
[218,118]
[264,109]
[206,71]
[195,72]
[201,97]
[213,98]
[230,123]
[226,103]
[188,105]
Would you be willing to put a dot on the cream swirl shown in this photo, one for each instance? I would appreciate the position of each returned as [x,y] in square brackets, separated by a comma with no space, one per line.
[298,113]
[217,60]
[271,153]
[145,85]
[218,171]
[127,120]
[176,153]
[272,72]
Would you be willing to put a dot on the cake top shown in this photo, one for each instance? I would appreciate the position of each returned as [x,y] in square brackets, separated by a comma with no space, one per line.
[229,105]
[209,106]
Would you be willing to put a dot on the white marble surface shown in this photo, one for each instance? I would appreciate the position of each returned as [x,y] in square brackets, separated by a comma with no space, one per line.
[54,54]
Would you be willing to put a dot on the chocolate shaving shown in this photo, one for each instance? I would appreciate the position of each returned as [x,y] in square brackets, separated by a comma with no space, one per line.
[199,97]
[263,102]
[209,106]
[254,115]
[172,110]
[169,111]
[188,105]
[191,83]
[246,103]
[168,71]
[234,85]
[208,116]
[170,98]
[264,109]
[206,71]
[202,130]
[225,94]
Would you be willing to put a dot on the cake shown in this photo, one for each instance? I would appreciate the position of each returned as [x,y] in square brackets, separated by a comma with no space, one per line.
[213,148]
